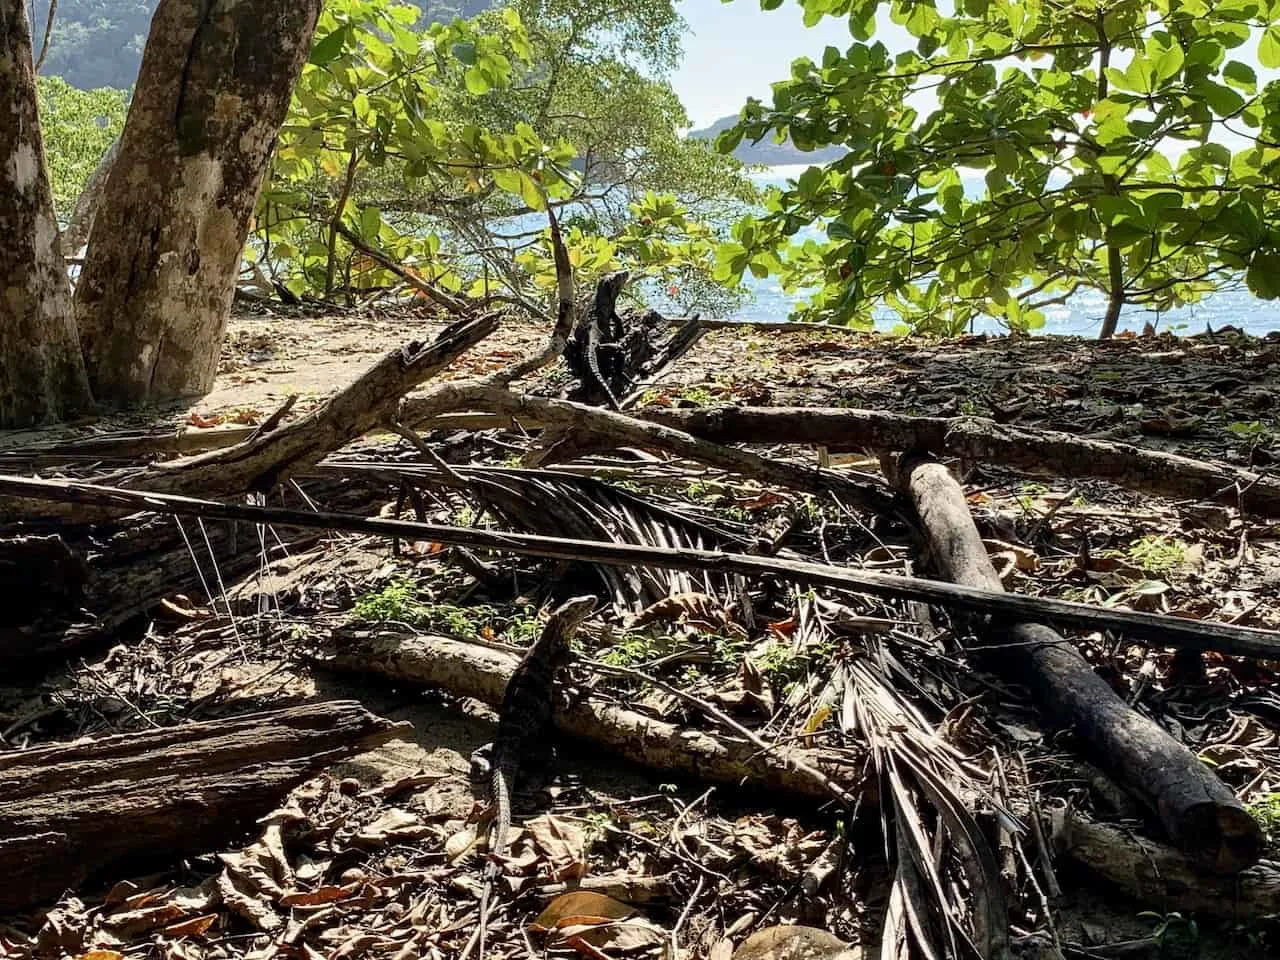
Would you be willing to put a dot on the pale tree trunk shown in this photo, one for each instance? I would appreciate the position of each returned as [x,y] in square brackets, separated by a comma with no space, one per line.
[164,251]
[42,375]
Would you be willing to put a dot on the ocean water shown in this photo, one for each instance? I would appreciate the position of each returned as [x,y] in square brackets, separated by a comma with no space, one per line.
[1081,315]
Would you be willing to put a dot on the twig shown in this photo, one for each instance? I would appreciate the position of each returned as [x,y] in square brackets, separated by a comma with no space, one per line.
[48,34]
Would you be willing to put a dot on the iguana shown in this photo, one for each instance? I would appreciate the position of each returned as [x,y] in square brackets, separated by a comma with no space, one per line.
[601,329]
[524,726]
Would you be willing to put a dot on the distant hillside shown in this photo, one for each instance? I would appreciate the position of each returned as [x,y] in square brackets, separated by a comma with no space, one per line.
[766,151]
[98,43]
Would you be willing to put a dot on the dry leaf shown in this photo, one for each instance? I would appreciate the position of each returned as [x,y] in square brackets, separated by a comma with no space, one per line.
[581,906]
[311,898]
[195,927]
[564,844]
[616,936]
[101,955]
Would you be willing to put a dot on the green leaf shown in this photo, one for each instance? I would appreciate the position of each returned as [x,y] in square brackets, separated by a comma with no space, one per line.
[477,83]
[465,52]
[328,48]
[1263,275]
[1241,75]
[370,223]
[530,193]
[1169,62]
[1269,48]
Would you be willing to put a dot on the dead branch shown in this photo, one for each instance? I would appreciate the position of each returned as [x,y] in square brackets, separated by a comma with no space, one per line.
[1039,452]
[1156,628]
[1200,813]
[589,426]
[387,262]
[68,811]
[261,462]
[1155,874]
[471,670]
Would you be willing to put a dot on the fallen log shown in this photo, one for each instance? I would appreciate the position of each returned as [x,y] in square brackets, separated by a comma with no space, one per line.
[1151,627]
[1158,876]
[1039,452]
[77,591]
[580,428]
[69,811]
[1198,811]
[481,672]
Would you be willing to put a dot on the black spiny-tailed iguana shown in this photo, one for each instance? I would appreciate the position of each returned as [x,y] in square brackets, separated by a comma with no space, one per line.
[524,727]
[601,329]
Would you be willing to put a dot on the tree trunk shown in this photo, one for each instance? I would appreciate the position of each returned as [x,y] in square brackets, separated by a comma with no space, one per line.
[42,376]
[165,248]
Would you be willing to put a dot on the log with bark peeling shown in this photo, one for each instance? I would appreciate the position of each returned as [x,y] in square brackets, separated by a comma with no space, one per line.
[1161,877]
[471,670]
[1200,813]
[69,811]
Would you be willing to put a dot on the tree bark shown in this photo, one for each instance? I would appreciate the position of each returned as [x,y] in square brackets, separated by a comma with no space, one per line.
[42,375]
[1200,813]
[468,670]
[165,248]
[69,811]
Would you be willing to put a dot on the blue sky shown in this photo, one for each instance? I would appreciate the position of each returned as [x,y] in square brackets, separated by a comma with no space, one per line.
[735,50]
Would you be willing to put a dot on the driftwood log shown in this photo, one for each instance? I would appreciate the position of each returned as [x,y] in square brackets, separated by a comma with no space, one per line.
[69,811]
[1163,878]
[1200,813]
[471,670]
[75,587]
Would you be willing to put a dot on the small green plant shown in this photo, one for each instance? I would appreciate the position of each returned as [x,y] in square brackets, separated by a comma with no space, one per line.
[397,601]
[699,396]
[784,665]
[1266,810]
[596,826]
[630,649]
[1173,932]
[1157,554]
[1255,433]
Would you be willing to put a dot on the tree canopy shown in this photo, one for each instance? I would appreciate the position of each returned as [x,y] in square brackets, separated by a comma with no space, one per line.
[1126,146]
[431,144]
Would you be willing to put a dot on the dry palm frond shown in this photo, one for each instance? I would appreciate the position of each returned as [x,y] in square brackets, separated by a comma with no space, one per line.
[947,900]
[563,504]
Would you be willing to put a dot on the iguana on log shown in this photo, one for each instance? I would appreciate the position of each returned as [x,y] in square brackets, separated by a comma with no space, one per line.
[601,329]
[524,726]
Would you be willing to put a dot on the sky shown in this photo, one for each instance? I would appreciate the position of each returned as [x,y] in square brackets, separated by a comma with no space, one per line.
[735,50]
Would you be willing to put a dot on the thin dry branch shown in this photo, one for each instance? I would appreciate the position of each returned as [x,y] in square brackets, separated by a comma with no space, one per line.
[1155,628]
[603,428]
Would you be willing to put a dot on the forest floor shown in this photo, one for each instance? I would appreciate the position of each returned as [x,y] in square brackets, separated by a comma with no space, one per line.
[382,870]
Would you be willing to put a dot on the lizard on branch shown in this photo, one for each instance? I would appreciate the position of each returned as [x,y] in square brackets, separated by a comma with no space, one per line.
[601,329]
[524,728]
